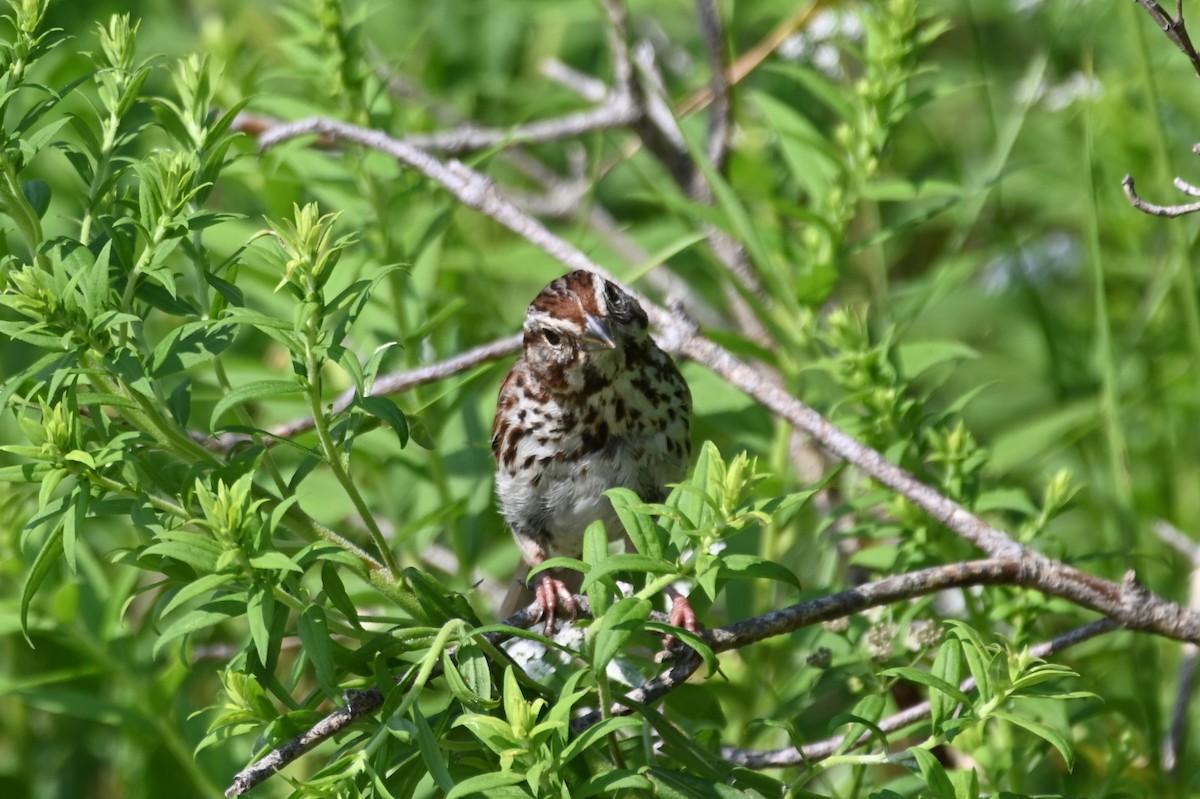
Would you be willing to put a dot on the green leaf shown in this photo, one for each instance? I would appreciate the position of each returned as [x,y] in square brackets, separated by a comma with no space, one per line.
[496,734]
[917,357]
[335,590]
[196,620]
[978,656]
[490,785]
[937,684]
[671,784]
[314,634]
[109,400]
[430,753]
[260,612]
[1051,736]
[682,747]
[933,773]
[865,717]
[1013,499]
[384,409]
[745,567]
[253,391]
[626,562]
[198,587]
[639,525]
[947,665]
[26,472]
[613,783]
[473,665]
[37,193]
[614,628]
[275,561]
[190,344]
[595,732]
[47,556]
[194,549]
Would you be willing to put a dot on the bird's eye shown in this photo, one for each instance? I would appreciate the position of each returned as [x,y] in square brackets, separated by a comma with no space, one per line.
[552,338]
[613,294]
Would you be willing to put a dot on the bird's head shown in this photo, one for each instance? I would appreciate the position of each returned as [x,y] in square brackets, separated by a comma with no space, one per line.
[582,321]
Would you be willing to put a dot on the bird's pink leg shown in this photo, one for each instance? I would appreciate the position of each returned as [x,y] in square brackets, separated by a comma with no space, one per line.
[550,593]
[681,615]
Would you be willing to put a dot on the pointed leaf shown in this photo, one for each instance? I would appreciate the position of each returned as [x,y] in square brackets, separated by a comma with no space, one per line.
[253,391]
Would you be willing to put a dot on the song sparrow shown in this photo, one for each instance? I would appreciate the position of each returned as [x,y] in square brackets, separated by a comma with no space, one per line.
[592,404]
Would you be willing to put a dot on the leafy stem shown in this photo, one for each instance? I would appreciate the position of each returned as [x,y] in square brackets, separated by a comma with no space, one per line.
[329,447]
[17,207]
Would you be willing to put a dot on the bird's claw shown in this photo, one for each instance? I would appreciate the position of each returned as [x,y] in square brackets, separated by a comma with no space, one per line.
[682,615]
[552,592]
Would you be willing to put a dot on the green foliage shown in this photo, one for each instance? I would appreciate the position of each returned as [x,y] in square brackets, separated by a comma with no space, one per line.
[953,277]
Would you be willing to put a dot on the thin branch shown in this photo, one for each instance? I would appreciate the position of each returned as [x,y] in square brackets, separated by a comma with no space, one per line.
[585,86]
[395,383]
[617,111]
[659,131]
[1152,209]
[563,196]
[1186,188]
[756,55]
[1175,29]
[720,111]
[1185,685]
[1121,610]
[1178,540]
[819,750]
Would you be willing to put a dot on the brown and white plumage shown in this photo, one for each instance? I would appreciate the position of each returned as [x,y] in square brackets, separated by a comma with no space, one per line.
[591,404]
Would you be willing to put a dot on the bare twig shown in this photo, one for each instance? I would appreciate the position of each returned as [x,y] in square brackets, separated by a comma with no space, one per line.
[1186,188]
[720,111]
[756,55]
[617,111]
[659,132]
[616,108]
[585,86]
[1156,210]
[359,704]
[1185,685]
[1175,29]
[728,250]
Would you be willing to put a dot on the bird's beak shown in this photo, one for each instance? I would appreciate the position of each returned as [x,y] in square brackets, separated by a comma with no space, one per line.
[596,335]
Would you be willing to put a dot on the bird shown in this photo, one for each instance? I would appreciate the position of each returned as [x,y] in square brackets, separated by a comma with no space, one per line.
[591,404]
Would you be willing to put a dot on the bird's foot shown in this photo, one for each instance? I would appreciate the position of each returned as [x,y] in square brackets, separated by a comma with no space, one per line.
[552,592]
[682,616]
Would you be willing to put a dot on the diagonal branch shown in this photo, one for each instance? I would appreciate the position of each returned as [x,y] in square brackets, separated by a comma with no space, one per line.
[1174,28]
